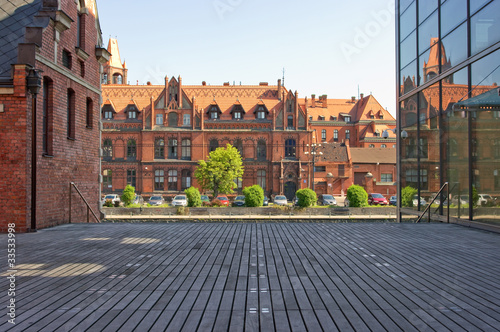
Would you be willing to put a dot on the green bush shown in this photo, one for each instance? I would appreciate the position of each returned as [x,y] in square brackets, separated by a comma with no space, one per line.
[254,196]
[128,195]
[182,211]
[306,197]
[193,197]
[475,196]
[357,196]
[108,203]
[407,194]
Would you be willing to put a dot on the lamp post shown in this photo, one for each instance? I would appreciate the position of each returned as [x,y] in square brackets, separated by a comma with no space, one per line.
[33,83]
[314,147]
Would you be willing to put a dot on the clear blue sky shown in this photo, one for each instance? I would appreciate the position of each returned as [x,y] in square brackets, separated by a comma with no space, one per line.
[326,47]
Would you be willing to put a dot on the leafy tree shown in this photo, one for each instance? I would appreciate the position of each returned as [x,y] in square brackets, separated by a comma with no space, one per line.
[306,197]
[219,171]
[475,196]
[128,195]
[254,196]
[193,197]
[407,194]
[357,196]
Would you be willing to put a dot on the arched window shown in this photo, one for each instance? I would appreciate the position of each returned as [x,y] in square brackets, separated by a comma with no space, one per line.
[159,148]
[172,148]
[172,119]
[261,178]
[371,146]
[159,119]
[185,179]
[90,112]
[238,143]
[335,135]
[186,149]
[290,148]
[131,178]
[261,150]
[383,146]
[131,149]
[107,148]
[159,179]
[214,144]
[172,179]
[289,123]
[117,79]
[347,134]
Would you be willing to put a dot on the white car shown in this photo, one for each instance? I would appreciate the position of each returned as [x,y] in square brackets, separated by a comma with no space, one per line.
[180,200]
[485,199]
[280,200]
[113,197]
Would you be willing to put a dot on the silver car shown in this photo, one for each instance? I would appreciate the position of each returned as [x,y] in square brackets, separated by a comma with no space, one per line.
[180,200]
[280,200]
[156,200]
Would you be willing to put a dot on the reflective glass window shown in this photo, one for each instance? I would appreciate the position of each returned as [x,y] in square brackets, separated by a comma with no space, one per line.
[453,12]
[425,8]
[408,77]
[408,49]
[475,5]
[485,27]
[408,21]
[454,48]
[428,33]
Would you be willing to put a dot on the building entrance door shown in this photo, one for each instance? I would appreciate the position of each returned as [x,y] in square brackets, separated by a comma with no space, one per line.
[290,189]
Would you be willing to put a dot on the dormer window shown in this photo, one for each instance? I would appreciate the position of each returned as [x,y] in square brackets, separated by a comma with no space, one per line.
[321,118]
[372,116]
[214,112]
[108,115]
[108,112]
[347,119]
[237,115]
[261,112]
[237,112]
[381,116]
[132,114]
[333,118]
[132,111]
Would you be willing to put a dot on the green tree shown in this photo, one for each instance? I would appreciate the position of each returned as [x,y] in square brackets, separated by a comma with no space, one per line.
[306,197]
[128,195]
[219,171]
[254,196]
[407,194]
[357,196]
[193,197]
[475,196]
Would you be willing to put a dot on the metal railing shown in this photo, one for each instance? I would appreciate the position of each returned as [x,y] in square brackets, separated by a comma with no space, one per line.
[428,208]
[89,209]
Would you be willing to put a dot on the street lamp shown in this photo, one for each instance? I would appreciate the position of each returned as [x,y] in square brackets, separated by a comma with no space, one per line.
[314,151]
[33,84]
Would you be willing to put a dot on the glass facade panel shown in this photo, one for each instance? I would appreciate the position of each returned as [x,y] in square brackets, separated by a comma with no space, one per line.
[408,21]
[425,8]
[408,112]
[453,12]
[428,33]
[454,48]
[475,5]
[407,77]
[485,27]
[408,51]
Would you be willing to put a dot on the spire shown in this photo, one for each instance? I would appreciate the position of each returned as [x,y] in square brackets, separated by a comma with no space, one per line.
[114,59]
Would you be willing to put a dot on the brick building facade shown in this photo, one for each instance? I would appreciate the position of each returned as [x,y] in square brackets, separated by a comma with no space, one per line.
[61,39]
[154,135]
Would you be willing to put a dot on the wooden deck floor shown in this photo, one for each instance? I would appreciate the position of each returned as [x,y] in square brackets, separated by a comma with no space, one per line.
[255,277]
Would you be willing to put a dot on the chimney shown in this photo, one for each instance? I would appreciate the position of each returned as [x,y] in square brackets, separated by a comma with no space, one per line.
[148,83]
[263,84]
[226,83]
[179,102]
[313,100]
[361,95]
[203,83]
[353,99]
[325,101]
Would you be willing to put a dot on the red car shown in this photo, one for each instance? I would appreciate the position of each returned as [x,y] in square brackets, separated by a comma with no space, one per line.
[377,199]
[223,199]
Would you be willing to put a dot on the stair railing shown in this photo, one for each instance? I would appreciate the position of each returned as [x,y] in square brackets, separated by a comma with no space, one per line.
[428,208]
[89,209]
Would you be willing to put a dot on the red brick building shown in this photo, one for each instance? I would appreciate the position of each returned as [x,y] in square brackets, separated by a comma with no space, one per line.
[154,135]
[61,39]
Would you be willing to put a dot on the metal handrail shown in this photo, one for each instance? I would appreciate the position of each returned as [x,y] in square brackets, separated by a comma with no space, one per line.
[89,209]
[428,208]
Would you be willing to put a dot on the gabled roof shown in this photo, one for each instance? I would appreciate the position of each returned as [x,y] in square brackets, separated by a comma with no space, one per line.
[373,155]
[15,16]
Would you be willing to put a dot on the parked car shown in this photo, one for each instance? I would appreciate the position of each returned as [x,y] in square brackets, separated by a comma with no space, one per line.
[223,199]
[295,201]
[113,197]
[156,200]
[416,201]
[180,200]
[463,199]
[346,202]
[239,201]
[266,201]
[204,198]
[280,200]
[377,199]
[393,200]
[485,199]
[138,199]
[326,200]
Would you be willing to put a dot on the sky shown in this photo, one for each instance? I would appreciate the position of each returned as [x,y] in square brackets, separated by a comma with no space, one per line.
[327,47]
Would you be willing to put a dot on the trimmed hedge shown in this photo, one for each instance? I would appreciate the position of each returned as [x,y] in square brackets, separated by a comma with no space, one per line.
[357,196]
[306,197]
[193,197]
[254,196]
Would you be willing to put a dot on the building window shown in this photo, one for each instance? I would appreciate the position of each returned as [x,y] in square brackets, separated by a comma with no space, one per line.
[70,130]
[172,148]
[239,183]
[323,134]
[261,150]
[107,148]
[214,144]
[186,120]
[107,179]
[290,108]
[117,79]
[386,177]
[383,146]
[131,149]
[159,119]
[381,116]
[412,178]
[47,116]
[105,79]
[108,115]
[132,114]
[335,135]
[159,179]
[186,149]
[289,122]
[319,168]
[261,115]
[423,148]
[172,119]
[394,146]
[496,177]
[347,134]
[131,177]
[341,170]
[185,179]
[261,178]
[238,144]
[347,119]
[159,148]
[172,179]
[290,148]
[82,68]
[90,112]
[371,145]
[496,148]
[372,116]
[214,112]
[452,148]
[66,59]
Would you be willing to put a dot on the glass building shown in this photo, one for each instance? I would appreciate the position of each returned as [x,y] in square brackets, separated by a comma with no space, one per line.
[448,71]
